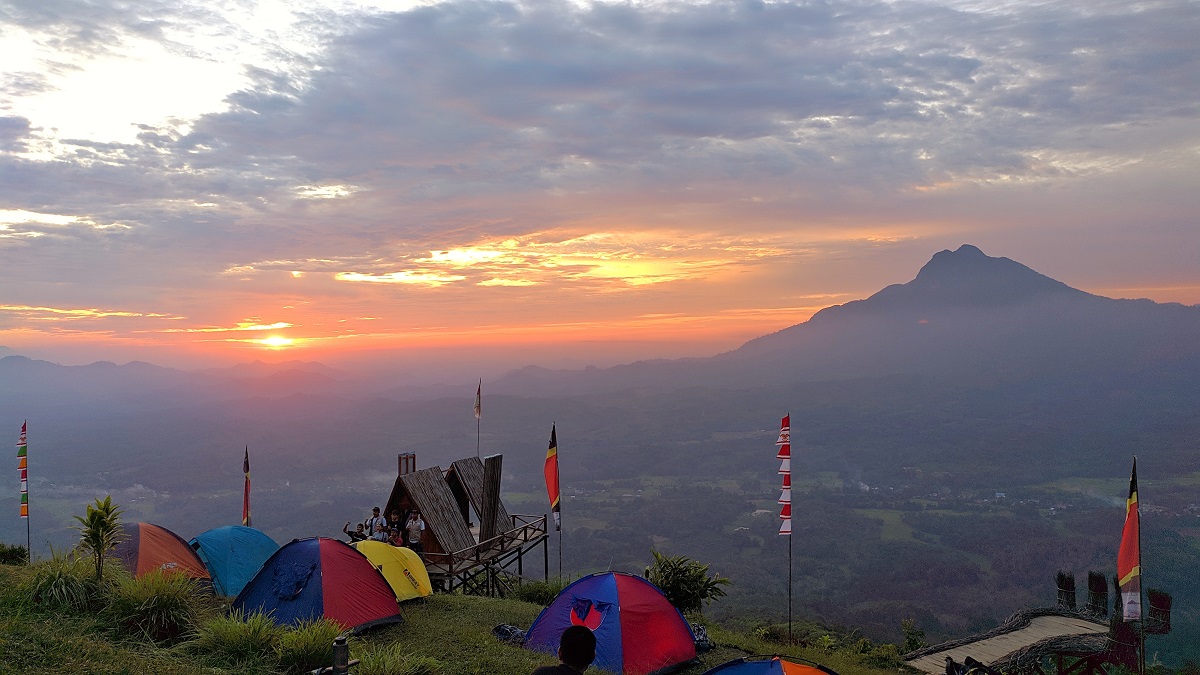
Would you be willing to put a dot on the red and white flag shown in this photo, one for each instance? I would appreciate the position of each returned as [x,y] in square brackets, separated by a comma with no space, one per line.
[785,469]
[23,468]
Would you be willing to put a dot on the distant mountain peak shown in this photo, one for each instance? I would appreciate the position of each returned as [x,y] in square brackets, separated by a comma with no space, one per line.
[970,277]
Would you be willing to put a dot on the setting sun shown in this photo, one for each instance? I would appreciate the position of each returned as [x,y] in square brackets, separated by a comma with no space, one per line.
[276,342]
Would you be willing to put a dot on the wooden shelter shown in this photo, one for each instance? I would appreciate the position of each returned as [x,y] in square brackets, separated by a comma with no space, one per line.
[454,556]
[466,480]
[426,490]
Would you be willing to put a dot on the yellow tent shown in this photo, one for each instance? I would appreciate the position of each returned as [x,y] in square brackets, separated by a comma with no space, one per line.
[402,568]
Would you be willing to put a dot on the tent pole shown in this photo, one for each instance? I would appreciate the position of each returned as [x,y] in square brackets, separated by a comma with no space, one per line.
[560,553]
[789,589]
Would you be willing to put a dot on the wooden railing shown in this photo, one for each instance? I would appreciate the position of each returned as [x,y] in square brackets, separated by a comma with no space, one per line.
[526,529]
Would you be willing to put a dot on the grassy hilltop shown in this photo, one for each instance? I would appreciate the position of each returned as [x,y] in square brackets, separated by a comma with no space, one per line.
[443,635]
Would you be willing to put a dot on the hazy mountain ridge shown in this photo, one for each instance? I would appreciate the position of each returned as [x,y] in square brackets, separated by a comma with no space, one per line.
[937,388]
[963,315]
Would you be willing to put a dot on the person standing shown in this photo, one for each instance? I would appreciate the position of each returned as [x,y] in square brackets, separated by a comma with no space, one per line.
[374,522]
[415,527]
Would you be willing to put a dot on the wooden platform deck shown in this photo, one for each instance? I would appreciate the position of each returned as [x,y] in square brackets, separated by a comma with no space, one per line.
[991,649]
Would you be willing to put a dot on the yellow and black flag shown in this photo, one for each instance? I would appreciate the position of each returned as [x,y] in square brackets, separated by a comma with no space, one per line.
[551,470]
[1129,556]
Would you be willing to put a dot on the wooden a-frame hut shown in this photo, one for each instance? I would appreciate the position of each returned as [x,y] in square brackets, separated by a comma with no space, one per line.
[454,556]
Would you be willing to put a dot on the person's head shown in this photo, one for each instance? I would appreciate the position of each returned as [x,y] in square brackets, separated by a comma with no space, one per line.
[375,511]
[359,527]
[394,515]
[379,527]
[577,647]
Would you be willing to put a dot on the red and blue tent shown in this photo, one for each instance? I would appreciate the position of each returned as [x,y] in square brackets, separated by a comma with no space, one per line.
[318,577]
[638,631]
[768,665]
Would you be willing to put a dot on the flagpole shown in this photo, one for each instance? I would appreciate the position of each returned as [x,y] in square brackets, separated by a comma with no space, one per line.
[785,498]
[1141,585]
[789,590]
[558,479]
[23,466]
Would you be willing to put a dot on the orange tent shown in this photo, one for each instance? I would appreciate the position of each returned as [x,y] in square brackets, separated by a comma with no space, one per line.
[150,547]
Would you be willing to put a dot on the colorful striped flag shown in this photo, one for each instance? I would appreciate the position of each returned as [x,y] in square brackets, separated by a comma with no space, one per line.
[785,469]
[1129,556]
[246,491]
[23,468]
[551,471]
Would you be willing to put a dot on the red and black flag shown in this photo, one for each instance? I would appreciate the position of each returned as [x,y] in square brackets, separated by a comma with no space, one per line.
[1129,556]
[551,471]
[246,491]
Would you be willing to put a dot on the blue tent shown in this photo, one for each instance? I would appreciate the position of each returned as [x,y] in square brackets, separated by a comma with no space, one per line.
[318,577]
[637,629]
[233,555]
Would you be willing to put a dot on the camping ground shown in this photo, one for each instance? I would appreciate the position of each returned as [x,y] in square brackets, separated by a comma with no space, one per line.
[452,632]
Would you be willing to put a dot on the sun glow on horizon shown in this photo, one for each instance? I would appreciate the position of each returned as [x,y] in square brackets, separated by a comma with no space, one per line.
[276,342]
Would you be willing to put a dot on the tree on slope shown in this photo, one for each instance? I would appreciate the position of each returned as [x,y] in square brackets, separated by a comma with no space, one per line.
[100,531]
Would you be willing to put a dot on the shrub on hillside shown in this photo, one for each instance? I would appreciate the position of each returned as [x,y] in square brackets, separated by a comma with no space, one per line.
[308,646]
[684,581]
[12,554]
[64,582]
[238,640]
[157,606]
[539,592]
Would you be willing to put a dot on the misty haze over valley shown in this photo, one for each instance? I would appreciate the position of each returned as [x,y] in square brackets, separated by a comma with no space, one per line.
[957,439]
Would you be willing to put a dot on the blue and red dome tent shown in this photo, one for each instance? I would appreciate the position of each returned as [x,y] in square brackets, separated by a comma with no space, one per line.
[319,577]
[233,554]
[638,631]
[767,665]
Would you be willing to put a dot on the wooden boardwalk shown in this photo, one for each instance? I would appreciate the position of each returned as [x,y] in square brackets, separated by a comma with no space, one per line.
[992,649]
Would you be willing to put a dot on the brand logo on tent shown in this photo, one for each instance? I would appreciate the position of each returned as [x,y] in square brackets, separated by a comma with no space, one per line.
[169,566]
[411,579]
[584,612]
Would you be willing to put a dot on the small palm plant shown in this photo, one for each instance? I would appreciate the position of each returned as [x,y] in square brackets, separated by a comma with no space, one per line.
[685,582]
[100,531]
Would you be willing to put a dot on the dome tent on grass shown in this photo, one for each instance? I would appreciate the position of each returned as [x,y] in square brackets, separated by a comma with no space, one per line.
[148,547]
[401,567]
[638,631]
[768,665]
[233,554]
[307,579]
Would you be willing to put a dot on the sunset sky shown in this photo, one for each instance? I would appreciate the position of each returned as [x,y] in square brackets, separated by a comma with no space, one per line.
[199,183]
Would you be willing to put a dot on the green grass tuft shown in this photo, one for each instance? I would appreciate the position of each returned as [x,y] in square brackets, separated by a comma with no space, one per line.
[239,640]
[64,582]
[159,607]
[391,659]
[308,646]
